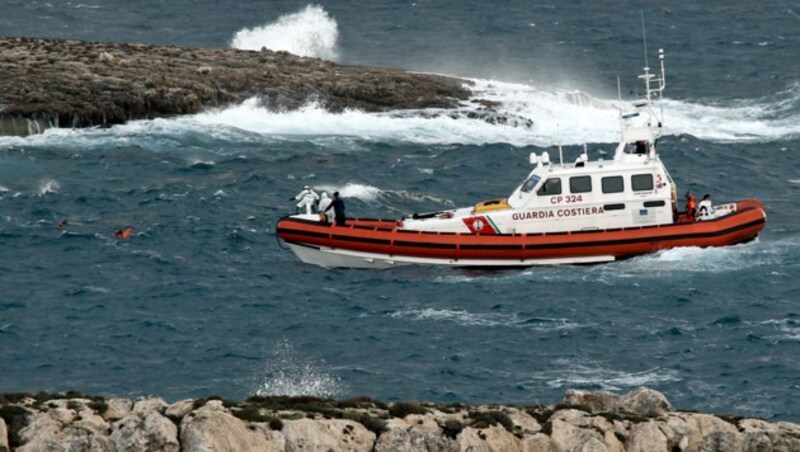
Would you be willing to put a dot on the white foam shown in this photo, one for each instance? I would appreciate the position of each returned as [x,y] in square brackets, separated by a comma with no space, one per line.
[559,116]
[580,375]
[490,319]
[750,120]
[457,316]
[702,260]
[287,374]
[310,32]
[789,329]
[363,192]
[47,186]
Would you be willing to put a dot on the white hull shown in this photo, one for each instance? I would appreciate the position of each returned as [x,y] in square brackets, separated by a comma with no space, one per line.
[330,257]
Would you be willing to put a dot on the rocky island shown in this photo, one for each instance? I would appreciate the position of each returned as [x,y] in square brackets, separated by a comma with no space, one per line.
[64,83]
[641,420]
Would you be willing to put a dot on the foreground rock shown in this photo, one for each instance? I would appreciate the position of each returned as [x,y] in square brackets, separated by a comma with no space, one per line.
[57,83]
[642,420]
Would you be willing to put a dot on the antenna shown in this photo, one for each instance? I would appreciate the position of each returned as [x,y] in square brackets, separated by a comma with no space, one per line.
[644,38]
[560,152]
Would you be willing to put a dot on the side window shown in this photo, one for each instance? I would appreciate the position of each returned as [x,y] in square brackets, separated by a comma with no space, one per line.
[551,186]
[530,183]
[642,182]
[613,184]
[580,184]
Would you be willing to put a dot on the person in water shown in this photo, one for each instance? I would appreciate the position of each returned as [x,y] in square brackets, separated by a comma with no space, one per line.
[324,203]
[307,198]
[705,208]
[338,209]
[691,206]
[123,233]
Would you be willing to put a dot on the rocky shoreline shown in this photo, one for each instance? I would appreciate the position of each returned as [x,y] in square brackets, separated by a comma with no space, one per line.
[642,420]
[66,83]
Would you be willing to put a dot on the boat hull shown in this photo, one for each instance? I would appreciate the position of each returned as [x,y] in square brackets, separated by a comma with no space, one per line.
[364,243]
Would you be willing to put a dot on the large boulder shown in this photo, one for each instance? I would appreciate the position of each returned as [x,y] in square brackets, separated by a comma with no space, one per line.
[539,443]
[118,409]
[594,401]
[646,437]
[327,434]
[403,435]
[4,447]
[687,430]
[53,430]
[143,430]
[577,430]
[213,429]
[640,402]
[761,435]
[491,439]
[146,405]
[572,430]
[645,402]
[179,409]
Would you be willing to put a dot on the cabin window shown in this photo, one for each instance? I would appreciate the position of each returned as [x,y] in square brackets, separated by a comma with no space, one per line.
[530,183]
[614,207]
[642,182]
[580,184]
[639,147]
[551,186]
[654,203]
[613,184]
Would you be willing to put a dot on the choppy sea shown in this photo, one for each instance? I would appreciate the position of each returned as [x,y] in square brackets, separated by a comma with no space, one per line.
[202,299]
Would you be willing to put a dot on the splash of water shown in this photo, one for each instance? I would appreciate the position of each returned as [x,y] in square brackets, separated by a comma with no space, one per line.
[310,32]
[288,374]
[47,186]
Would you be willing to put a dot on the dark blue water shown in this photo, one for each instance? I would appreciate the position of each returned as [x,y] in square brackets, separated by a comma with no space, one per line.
[203,299]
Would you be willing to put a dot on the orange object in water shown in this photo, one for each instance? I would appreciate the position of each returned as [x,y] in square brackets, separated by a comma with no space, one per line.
[123,234]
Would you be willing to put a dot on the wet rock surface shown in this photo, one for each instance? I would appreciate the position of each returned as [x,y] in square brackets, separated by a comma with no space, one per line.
[65,83]
[642,420]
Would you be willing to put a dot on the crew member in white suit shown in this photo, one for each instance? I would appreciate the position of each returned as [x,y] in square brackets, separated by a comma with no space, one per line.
[704,208]
[307,198]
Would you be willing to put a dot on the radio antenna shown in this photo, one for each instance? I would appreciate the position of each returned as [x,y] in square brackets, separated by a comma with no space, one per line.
[644,38]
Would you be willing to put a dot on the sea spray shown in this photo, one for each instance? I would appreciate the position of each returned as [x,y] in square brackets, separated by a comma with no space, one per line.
[288,374]
[310,32]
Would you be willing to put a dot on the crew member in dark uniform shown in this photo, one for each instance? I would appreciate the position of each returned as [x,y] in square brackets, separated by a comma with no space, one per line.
[338,209]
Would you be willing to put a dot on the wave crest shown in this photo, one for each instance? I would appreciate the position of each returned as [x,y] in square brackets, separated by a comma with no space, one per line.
[310,32]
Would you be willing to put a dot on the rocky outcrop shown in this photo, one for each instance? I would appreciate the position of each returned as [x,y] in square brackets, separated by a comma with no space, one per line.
[642,420]
[3,436]
[59,83]
[212,428]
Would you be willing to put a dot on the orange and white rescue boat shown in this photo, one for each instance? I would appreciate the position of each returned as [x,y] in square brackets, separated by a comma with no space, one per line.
[582,212]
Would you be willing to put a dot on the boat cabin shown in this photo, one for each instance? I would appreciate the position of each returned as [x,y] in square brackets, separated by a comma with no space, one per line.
[632,189]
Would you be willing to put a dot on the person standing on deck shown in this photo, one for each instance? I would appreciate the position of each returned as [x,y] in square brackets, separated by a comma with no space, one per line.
[338,209]
[691,206]
[307,198]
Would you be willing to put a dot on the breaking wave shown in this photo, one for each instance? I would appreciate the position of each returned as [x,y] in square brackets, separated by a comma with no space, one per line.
[310,32]
[591,376]
[466,318]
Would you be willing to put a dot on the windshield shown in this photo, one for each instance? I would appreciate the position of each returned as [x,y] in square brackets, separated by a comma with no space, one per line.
[530,183]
